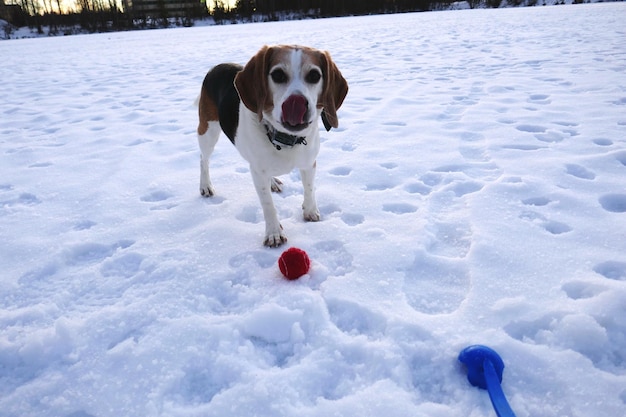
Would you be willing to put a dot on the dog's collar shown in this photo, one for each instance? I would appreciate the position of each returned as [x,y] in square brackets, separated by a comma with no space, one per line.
[281,139]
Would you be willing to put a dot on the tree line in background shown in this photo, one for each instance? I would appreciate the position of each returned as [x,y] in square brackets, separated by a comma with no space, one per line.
[100,15]
[266,10]
[113,15]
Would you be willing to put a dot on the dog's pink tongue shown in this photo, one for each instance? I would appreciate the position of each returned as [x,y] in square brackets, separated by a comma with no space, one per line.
[294,109]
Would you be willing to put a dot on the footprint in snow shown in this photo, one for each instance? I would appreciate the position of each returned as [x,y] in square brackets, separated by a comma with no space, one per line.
[124,266]
[341,171]
[615,270]
[92,252]
[41,165]
[348,147]
[550,226]
[550,137]
[329,209]
[399,208]
[579,171]
[431,179]
[620,102]
[332,256]
[603,142]
[580,290]
[568,127]
[199,382]
[156,196]
[417,188]
[543,134]
[250,214]
[531,128]
[615,203]
[451,239]
[159,196]
[436,284]
[80,255]
[355,320]
[466,187]
[588,334]
[84,225]
[506,121]
[352,219]
[244,264]
[24,199]
[389,165]
[537,201]
[556,228]
[595,335]
[539,99]
[260,258]
[382,185]
[439,280]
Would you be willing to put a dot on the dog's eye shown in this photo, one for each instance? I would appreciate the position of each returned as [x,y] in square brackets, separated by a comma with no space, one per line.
[279,76]
[313,76]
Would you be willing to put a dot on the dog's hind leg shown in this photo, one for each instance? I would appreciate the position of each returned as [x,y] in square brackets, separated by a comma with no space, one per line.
[208,133]
[207,143]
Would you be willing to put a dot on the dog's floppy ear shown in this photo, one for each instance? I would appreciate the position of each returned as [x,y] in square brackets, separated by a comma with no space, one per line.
[334,92]
[251,82]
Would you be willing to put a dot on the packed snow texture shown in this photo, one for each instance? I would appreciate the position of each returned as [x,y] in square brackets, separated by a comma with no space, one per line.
[475,192]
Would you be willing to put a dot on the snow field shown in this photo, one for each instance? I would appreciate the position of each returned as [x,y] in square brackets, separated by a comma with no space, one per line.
[474,193]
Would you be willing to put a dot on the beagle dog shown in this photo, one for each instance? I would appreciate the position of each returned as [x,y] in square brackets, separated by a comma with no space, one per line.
[269,110]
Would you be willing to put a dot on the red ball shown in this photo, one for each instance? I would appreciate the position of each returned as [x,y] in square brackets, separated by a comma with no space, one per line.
[294,263]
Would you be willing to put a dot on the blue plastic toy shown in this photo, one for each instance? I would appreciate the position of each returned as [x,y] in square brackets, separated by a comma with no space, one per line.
[484,370]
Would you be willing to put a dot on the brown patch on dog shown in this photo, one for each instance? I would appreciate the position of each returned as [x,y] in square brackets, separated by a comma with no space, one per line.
[207,112]
[251,82]
[335,88]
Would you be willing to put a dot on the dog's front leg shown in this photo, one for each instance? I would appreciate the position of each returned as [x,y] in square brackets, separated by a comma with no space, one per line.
[309,205]
[274,235]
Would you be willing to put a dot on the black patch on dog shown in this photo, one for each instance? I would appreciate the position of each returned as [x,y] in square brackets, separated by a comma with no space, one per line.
[219,85]
[327,125]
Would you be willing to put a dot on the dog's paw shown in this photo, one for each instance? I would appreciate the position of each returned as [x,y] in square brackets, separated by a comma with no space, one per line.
[277,185]
[275,238]
[312,216]
[207,191]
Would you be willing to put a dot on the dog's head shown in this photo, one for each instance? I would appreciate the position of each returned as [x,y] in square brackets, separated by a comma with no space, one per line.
[291,86]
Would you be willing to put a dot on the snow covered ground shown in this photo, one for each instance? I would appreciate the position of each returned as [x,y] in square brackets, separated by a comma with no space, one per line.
[474,193]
